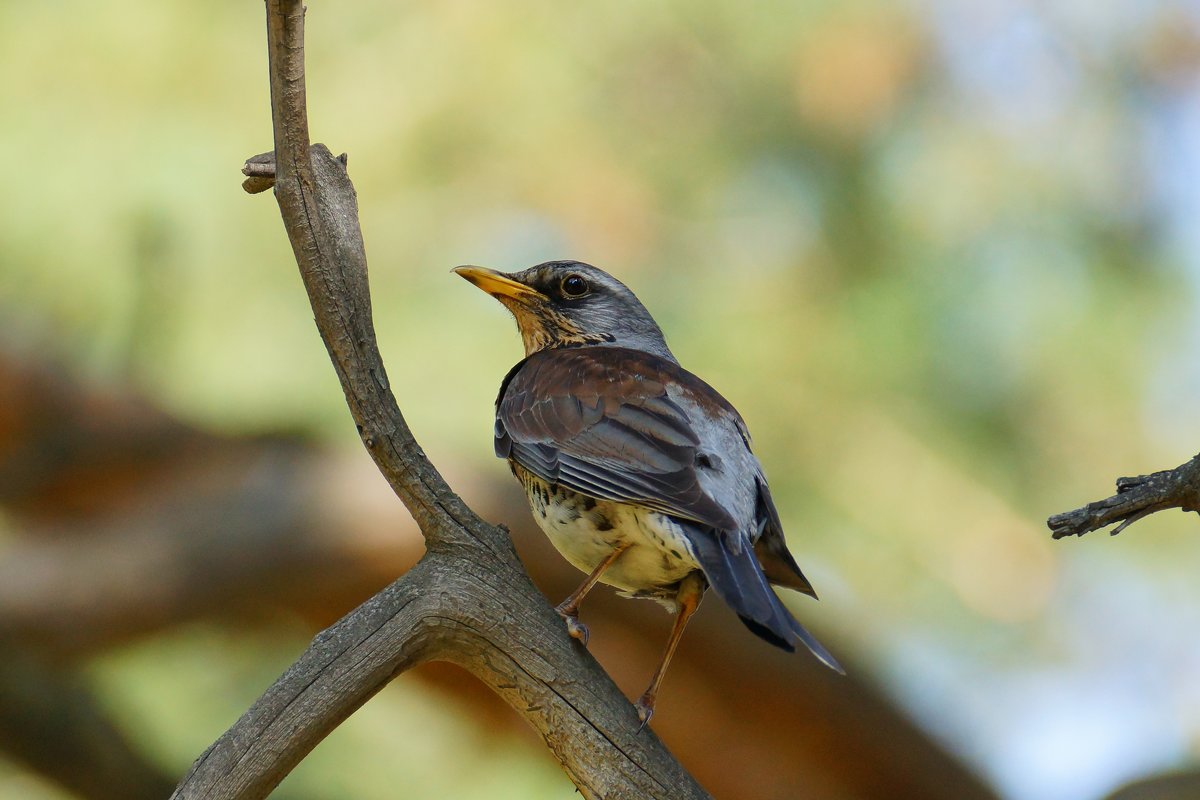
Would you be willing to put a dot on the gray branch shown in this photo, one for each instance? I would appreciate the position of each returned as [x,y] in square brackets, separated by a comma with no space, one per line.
[468,601]
[1135,498]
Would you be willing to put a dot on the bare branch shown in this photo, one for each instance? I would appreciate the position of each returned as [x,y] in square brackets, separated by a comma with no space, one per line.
[260,173]
[1135,498]
[468,601]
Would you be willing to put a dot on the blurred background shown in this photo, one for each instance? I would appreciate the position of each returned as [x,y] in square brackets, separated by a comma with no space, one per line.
[944,257]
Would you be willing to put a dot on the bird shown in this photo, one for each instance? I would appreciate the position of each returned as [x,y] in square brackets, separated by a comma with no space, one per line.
[639,472]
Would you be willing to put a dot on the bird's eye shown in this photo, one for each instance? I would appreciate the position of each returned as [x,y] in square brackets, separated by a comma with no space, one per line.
[574,286]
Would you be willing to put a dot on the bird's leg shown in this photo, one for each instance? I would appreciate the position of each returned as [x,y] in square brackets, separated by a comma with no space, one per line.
[569,609]
[691,591]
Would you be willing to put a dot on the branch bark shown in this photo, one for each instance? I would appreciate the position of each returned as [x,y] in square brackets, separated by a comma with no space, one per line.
[1135,498]
[468,601]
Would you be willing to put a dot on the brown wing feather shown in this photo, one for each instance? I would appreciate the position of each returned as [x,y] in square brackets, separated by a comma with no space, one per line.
[598,420]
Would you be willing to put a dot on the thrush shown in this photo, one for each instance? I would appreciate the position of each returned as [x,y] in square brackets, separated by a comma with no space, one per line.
[639,472]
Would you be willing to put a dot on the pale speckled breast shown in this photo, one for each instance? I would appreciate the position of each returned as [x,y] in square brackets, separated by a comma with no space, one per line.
[586,530]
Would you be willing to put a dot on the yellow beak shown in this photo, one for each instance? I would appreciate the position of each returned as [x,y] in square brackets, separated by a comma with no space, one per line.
[497,284]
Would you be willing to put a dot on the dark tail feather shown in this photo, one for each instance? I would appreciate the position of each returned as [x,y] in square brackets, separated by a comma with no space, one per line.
[739,580]
[817,649]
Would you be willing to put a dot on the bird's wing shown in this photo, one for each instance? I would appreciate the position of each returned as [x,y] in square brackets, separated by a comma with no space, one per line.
[599,420]
[771,548]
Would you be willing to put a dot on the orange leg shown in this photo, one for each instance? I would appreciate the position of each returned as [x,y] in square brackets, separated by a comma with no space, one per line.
[691,591]
[569,609]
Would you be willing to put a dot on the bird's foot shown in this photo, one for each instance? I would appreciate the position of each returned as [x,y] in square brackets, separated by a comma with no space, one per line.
[645,710]
[575,628]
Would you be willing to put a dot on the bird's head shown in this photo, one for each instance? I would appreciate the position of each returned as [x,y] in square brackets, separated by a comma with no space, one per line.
[568,303]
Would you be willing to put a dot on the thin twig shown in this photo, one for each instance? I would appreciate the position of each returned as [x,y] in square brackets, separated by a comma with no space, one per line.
[1135,499]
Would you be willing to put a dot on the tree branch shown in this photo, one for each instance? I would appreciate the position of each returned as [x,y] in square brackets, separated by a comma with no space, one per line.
[1135,498]
[468,601]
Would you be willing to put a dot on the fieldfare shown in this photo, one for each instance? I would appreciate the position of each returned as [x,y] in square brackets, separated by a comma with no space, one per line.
[637,470]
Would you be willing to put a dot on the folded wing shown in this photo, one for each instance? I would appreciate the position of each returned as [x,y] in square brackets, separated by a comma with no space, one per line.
[598,420]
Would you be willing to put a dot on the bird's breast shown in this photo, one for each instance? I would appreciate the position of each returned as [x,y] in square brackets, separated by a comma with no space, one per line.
[586,530]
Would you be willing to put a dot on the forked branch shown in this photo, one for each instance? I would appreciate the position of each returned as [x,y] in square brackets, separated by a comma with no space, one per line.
[468,601]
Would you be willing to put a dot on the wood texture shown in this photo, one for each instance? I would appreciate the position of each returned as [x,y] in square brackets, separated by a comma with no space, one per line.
[1135,498]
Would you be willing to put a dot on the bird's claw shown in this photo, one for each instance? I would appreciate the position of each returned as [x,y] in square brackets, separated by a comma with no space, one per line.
[645,710]
[575,628]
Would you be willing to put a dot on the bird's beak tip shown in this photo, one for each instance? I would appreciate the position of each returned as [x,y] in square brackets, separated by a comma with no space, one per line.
[476,275]
[497,284]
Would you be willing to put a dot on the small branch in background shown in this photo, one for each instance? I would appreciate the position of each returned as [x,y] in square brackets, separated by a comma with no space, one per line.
[1135,498]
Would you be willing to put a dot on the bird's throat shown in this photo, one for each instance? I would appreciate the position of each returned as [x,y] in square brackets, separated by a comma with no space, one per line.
[543,327]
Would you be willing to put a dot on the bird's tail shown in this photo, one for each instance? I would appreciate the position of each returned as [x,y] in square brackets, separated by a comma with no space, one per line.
[735,574]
